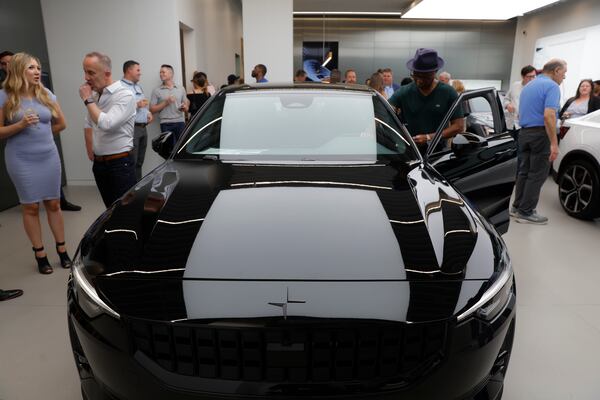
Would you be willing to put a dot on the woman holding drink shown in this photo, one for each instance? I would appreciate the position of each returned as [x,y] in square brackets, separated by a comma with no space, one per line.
[29,116]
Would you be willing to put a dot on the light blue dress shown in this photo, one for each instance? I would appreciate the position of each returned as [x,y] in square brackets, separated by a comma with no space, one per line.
[32,159]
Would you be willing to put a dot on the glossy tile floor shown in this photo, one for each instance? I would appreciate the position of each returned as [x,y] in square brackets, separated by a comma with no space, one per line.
[556,353]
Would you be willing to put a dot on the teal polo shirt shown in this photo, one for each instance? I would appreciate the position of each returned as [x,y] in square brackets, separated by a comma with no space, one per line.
[423,114]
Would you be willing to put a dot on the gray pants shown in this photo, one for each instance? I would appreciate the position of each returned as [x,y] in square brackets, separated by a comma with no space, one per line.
[140,140]
[534,163]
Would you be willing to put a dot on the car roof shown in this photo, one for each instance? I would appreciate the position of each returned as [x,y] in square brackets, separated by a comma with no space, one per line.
[309,85]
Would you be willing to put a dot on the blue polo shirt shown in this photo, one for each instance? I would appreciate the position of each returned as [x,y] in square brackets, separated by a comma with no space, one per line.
[537,95]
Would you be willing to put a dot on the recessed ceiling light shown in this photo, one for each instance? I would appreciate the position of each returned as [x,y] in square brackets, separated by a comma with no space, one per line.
[474,9]
[349,13]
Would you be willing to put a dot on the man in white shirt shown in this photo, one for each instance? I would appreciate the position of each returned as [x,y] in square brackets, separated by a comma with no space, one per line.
[111,116]
[511,100]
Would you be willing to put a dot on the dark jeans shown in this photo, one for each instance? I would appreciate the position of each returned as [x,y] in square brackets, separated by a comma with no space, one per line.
[140,141]
[175,127]
[114,178]
[534,147]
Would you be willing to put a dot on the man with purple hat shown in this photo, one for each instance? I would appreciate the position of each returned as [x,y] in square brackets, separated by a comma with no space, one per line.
[424,102]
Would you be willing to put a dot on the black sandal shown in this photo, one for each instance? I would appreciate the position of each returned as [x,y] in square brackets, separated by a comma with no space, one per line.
[43,265]
[65,260]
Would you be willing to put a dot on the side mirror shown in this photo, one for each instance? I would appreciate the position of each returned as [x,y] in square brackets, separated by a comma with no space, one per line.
[163,144]
[466,142]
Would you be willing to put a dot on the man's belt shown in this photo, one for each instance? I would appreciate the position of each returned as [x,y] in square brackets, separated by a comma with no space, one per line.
[110,157]
[141,124]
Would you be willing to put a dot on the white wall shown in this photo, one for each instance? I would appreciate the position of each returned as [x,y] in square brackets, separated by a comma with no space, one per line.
[143,30]
[564,17]
[269,38]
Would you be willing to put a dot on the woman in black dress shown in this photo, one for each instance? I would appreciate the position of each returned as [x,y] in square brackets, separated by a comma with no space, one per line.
[199,93]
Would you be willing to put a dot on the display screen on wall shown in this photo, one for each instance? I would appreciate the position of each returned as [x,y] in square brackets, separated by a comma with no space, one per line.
[318,59]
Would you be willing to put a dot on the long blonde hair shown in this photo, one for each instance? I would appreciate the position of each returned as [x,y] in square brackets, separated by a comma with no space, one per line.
[16,84]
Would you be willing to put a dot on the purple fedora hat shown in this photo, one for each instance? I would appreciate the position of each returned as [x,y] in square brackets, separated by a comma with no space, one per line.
[425,60]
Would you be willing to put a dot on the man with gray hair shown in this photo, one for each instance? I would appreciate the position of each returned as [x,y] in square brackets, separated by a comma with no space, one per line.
[445,77]
[538,144]
[110,117]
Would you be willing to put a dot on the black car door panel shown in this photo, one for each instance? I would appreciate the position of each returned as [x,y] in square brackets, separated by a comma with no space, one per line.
[485,172]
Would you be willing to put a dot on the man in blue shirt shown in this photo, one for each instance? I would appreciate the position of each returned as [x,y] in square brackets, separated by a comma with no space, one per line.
[259,72]
[538,144]
[143,116]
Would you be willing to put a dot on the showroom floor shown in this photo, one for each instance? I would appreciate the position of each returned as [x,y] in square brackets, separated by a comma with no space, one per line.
[557,345]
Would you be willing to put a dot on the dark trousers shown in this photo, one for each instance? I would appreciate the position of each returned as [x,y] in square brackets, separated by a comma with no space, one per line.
[534,148]
[114,178]
[175,127]
[140,142]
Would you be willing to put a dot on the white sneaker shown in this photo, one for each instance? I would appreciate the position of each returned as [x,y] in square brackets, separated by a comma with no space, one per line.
[534,218]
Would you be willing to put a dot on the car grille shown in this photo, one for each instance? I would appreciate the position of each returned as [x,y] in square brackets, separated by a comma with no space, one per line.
[303,353]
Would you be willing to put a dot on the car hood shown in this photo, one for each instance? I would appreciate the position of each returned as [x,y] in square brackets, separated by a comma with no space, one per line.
[213,221]
[197,240]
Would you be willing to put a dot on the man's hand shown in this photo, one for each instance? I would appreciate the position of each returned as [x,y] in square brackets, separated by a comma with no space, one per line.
[142,103]
[171,99]
[150,117]
[90,154]
[422,139]
[510,108]
[553,151]
[85,91]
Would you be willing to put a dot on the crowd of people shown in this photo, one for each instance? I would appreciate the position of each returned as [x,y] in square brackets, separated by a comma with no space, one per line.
[118,113]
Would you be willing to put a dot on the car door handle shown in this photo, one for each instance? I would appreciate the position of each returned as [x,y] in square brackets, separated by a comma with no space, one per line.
[505,151]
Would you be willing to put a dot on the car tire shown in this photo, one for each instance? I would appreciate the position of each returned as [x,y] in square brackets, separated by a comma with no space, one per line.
[579,189]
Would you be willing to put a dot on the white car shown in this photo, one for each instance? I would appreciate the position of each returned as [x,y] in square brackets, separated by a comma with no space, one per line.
[577,168]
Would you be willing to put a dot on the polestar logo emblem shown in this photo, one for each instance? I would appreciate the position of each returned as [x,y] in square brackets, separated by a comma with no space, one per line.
[284,304]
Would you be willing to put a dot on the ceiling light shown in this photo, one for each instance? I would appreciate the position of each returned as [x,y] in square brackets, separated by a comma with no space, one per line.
[474,9]
[348,13]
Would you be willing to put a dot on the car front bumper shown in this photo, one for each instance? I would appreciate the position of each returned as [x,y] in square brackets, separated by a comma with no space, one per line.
[475,359]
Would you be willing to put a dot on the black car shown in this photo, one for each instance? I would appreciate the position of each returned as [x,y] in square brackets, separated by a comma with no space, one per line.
[295,244]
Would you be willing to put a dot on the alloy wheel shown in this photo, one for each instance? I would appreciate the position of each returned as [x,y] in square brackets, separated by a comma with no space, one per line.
[576,188]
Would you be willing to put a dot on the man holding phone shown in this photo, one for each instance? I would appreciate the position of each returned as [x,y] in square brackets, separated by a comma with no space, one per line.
[170,102]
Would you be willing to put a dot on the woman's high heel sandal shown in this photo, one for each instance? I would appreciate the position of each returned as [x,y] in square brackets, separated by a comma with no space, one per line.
[65,260]
[43,265]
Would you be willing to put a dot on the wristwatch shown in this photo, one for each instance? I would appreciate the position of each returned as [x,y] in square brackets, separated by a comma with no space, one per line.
[89,100]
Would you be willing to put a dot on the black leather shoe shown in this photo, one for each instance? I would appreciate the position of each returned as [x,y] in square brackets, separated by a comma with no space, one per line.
[66,206]
[10,294]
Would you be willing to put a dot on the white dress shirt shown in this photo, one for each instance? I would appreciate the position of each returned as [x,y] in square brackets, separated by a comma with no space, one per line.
[513,96]
[114,132]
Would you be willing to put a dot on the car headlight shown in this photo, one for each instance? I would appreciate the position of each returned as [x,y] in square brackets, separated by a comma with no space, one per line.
[496,297]
[86,294]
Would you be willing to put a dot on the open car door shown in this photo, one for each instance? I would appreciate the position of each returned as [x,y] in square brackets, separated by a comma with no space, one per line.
[481,162]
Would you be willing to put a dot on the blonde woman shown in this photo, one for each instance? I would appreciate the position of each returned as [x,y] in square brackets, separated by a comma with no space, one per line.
[29,115]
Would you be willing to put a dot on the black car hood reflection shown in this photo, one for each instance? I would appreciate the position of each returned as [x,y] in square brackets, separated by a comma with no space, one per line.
[225,223]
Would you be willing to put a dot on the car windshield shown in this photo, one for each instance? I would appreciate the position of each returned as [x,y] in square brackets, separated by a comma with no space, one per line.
[297,125]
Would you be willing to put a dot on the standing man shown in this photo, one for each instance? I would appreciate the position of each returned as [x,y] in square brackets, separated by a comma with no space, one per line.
[350,76]
[111,115]
[511,100]
[424,102]
[388,82]
[131,77]
[259,72]
[170,102]
[445,77]
[538,144]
